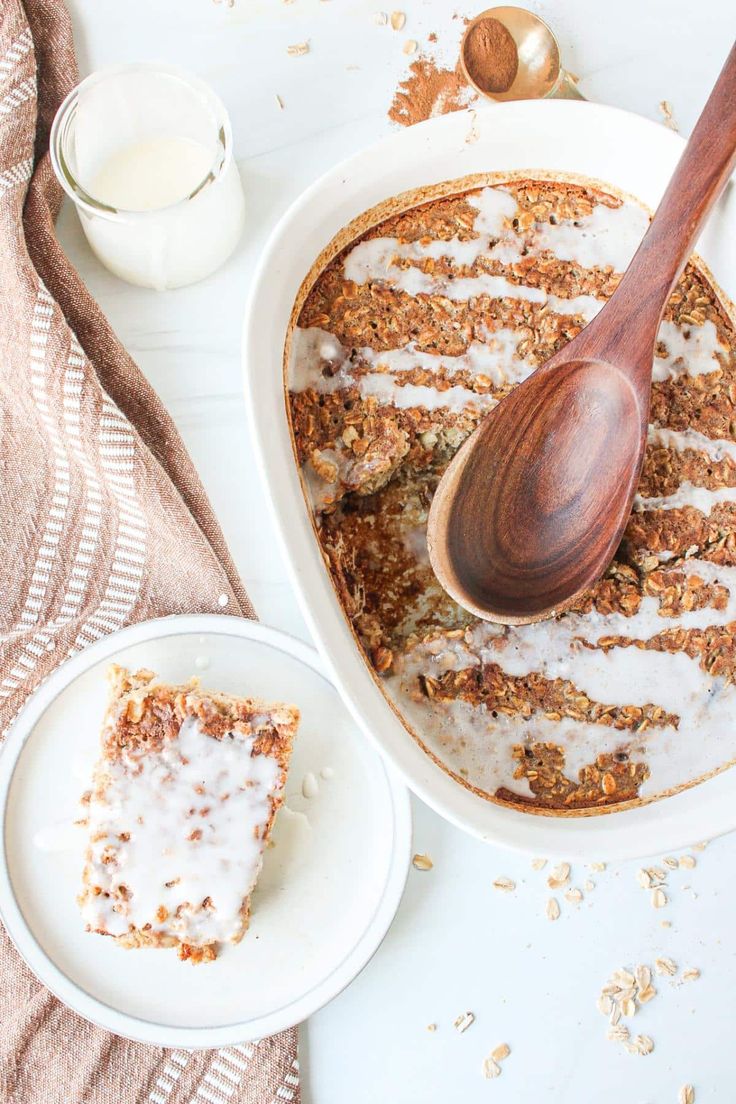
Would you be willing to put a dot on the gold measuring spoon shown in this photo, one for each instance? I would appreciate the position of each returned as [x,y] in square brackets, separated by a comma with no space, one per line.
[539,74]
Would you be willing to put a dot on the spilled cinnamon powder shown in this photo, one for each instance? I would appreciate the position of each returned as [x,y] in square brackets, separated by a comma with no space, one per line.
[429,91]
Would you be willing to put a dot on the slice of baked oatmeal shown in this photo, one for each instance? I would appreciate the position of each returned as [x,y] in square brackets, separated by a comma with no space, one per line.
[183,801]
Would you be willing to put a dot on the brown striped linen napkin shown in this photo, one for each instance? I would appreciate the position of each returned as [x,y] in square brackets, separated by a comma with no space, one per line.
[103,522]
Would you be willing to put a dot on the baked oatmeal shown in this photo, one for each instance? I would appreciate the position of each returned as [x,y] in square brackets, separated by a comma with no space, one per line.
[184,797]
[408,336]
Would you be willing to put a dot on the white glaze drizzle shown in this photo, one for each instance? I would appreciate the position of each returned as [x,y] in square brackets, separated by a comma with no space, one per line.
[494,357]
[587,306]
[608,237]
[313,350]
[385,389]
[691,350]
[700,498]
[715,448]
[193,784]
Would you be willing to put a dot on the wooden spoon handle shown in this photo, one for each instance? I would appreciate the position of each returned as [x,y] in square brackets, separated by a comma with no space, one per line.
[701,175]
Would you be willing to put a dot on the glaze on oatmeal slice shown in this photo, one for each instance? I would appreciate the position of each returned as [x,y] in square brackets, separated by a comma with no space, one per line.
[183,801]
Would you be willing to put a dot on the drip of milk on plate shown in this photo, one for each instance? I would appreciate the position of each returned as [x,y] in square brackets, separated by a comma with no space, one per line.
[310,785]
[64,835]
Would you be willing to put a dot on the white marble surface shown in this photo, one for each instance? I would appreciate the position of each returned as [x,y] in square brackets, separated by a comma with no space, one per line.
[457,944]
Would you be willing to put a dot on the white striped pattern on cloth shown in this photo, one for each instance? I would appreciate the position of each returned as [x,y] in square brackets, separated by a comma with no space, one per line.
[116,452]
[17,174]
[224,1076]
[176,1062]
[124,581]
[15,54]
[54,524]
[22,92]
[89,537]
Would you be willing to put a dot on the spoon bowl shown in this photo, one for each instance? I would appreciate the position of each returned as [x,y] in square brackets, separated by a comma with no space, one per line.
[542,517]
[540,73]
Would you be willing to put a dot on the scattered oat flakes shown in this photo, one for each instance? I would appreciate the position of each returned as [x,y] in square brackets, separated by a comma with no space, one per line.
[553,909]
[659,898]
[410,46]
[652,876]
[539,864]
[280,102]
[473,133]
[500,1052]
[691,975]
[463,1021]
[491,1067]
[665,923]
[665,966]
[504,884]
[628,1007]
[604,1004]
[687,862]
[574,896]
[701,846]
[667,116]
[618,1034]
[640,1044]
[422,862]
[645,995]
[588,886]
[686,1095]
[432,1027]
[597,866]
[381,19]
[643,976]
[671,862]
[560,874]
[298,49]
[398,19]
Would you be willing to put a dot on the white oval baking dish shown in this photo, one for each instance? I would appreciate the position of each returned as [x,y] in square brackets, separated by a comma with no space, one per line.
[625,150]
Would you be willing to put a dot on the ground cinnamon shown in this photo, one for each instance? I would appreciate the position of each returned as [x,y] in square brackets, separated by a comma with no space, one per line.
[490,56]
[428,91]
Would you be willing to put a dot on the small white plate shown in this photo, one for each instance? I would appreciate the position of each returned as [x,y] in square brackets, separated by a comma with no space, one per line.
[329,888]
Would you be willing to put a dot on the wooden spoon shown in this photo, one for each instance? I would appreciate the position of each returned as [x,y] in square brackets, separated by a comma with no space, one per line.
[532,508]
